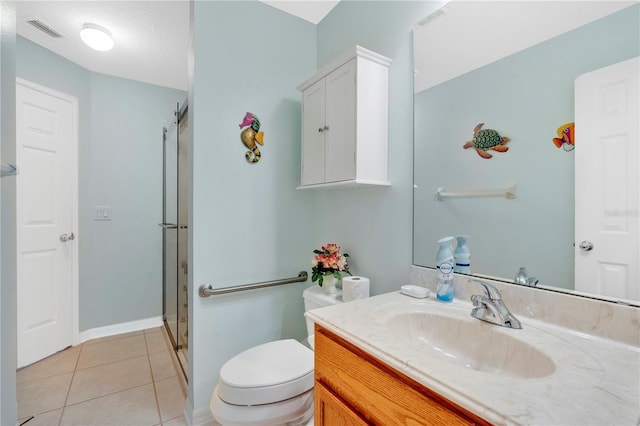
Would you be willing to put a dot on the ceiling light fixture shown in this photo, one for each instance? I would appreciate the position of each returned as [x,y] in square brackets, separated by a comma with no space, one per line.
[96,37]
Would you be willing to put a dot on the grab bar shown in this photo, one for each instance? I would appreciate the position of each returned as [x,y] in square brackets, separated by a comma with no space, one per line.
[508,192]
[206,290]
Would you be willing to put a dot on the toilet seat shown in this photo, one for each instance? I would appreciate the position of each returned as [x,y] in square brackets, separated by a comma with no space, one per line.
[266,374]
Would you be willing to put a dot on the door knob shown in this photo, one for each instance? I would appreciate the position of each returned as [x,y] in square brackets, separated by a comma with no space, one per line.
[586,246]
[67,237]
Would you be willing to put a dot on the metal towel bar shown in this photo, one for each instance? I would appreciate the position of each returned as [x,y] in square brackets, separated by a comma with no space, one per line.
[508,192]
[206,290]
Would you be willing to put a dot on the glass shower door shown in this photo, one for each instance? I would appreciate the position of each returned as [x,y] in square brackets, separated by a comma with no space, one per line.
[170,231]
[175,234]
[182,340]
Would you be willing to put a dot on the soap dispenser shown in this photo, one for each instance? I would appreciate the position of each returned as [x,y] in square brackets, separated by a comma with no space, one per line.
[444,264]
[462,256]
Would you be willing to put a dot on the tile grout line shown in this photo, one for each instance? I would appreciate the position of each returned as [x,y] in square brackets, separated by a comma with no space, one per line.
[113,361]
[105,395]
[101,365]
[74,370]
[73,376]
[153,382]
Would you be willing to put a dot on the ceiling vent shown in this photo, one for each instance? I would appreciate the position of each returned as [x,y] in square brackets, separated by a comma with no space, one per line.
[35,22]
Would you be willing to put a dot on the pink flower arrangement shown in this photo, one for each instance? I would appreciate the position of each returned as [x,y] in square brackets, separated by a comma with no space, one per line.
[329,261]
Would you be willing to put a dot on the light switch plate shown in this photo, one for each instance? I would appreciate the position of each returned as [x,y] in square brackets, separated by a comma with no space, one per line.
[102,213]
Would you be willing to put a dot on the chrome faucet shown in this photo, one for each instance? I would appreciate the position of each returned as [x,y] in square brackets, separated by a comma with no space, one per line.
[523,278]
[489,307]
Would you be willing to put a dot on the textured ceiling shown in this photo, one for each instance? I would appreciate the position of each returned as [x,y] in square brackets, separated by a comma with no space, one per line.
[151,37]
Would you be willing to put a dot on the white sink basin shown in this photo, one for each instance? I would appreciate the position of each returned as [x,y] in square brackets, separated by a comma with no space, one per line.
[472,343]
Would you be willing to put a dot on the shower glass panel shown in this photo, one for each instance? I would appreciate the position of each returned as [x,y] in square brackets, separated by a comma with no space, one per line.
[170,229]
[183,235]
[175,233]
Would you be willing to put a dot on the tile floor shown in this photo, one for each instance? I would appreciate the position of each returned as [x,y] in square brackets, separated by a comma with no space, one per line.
[128,379]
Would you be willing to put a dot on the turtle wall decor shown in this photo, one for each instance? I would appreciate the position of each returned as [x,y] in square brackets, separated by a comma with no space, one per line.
[486,139]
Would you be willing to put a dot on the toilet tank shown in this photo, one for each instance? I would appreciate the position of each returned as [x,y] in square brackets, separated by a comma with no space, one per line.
[314,298]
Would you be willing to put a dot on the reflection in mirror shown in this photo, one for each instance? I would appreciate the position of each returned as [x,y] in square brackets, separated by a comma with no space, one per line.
[516,75]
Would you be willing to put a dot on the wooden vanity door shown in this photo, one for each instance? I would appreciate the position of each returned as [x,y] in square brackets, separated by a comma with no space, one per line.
[354,388]
[331,411]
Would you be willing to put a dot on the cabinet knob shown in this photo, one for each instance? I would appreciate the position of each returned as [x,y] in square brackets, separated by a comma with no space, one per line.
[323,129]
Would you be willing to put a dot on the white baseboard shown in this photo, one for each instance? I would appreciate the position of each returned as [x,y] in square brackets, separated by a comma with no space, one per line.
[125,327]
[200,417]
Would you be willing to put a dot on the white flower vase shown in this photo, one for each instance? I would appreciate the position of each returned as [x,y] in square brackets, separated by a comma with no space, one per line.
[329,284]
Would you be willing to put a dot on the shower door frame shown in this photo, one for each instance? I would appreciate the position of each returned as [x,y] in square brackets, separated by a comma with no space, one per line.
[179,113]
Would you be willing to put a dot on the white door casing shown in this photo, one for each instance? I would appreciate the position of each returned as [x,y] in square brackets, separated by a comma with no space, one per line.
[46,152]
[607,182]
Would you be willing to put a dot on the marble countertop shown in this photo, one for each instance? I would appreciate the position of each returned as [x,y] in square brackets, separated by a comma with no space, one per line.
[595,380]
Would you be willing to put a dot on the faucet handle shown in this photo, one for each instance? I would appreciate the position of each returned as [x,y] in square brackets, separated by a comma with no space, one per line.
[490,291]
[522,276]
[477,300]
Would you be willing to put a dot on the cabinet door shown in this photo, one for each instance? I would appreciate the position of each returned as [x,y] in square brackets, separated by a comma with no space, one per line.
[341,121]
[331,411]
[377,392]
[313,134]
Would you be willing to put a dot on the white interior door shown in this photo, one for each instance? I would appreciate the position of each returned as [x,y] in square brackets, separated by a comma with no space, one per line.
[607,181]
[46,132]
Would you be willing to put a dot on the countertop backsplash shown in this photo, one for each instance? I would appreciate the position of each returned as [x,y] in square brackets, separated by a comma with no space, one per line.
[609,320]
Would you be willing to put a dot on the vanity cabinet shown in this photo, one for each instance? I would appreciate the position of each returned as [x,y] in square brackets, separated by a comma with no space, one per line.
[345,122]
[354,388]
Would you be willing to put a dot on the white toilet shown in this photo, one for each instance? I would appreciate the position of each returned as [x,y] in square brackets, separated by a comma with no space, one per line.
[271,384]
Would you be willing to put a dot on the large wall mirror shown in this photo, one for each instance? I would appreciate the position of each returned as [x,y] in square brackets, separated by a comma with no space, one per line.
[513,66]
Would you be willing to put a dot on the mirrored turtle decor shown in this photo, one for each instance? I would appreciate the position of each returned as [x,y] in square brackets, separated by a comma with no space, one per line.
[486,139]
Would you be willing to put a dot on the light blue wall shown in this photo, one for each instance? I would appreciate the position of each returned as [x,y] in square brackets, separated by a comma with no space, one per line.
[123,279]
[525,97]
[120,164]
[247,222]
[375,225]
[8,326]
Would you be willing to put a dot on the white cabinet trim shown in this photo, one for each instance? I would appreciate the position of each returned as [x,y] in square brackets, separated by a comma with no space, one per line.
[356,51]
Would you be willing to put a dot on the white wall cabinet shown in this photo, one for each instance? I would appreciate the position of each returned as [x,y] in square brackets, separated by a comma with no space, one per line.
[345,122]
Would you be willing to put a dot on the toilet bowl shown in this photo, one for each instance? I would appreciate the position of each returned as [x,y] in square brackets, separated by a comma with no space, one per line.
[270,384]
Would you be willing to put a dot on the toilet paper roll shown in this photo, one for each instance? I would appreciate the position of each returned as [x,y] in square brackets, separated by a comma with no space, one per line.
[354,288]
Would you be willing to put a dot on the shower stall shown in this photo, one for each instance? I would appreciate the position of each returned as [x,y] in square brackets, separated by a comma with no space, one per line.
[175,234]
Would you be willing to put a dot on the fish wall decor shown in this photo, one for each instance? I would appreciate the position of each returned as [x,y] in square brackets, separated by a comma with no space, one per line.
[566,137]
[486,139]
[251,137]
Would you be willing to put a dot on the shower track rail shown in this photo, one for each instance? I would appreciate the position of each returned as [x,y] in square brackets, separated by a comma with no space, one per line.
[206,290]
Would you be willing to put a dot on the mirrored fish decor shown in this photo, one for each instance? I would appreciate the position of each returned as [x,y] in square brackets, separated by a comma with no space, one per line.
[566,137]
[251,136]
[486,139]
